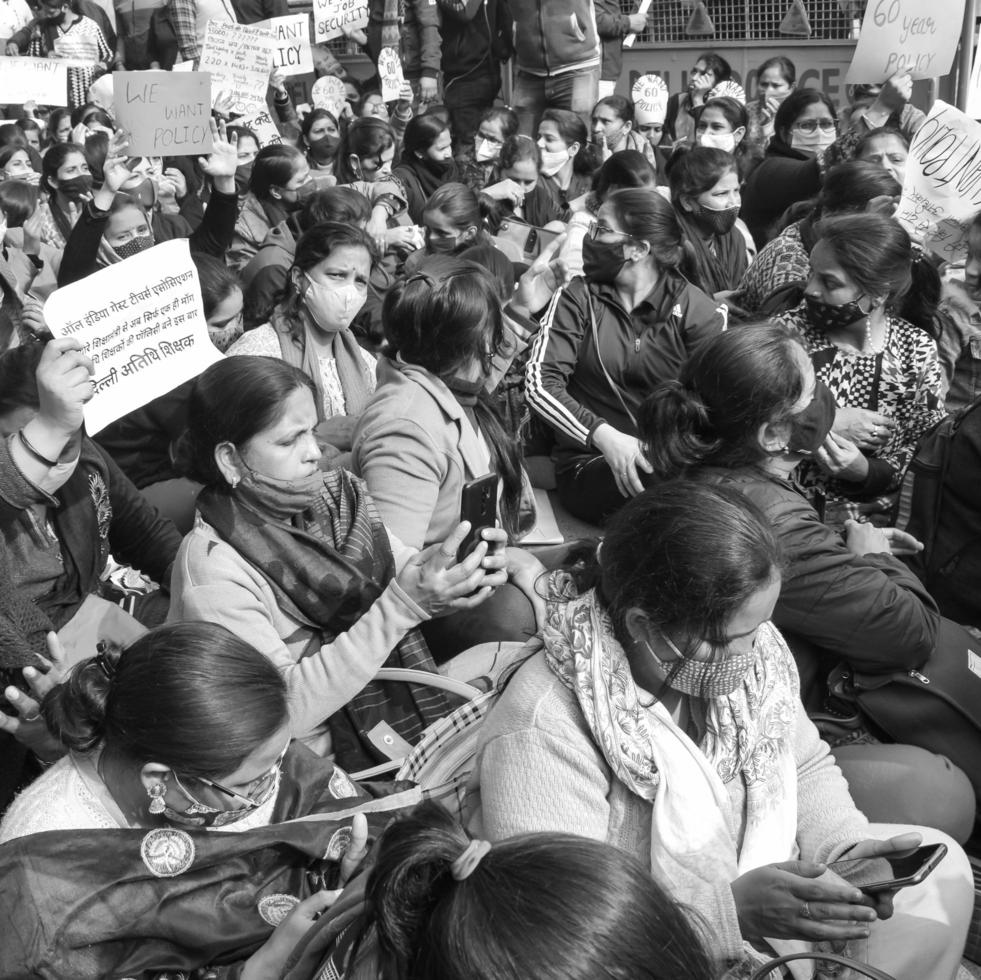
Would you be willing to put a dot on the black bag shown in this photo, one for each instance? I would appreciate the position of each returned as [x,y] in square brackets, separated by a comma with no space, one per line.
[940,490]
[937,707]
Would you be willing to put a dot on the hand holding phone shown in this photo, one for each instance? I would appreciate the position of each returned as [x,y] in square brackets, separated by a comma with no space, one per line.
[892,871]
[478,505]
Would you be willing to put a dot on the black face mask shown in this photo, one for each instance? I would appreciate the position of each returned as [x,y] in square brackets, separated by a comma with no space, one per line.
[827,316]
[75,188]
[602,261]
[716,223]
[243,175]
[324,149]
[439,167]
[810,427]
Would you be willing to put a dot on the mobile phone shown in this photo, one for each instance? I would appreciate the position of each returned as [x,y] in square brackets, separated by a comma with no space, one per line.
[478,504]
[888,872]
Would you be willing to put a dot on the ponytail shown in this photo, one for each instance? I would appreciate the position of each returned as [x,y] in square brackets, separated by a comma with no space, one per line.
[75,710]
[677,431]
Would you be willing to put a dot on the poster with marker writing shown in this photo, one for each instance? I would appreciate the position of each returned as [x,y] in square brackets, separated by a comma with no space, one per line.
[142,322]
[165,114]
[240,58]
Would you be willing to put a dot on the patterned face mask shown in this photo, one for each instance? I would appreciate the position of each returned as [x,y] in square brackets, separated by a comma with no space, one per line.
[704,678]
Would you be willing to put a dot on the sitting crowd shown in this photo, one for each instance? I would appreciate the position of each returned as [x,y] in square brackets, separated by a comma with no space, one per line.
[691,327]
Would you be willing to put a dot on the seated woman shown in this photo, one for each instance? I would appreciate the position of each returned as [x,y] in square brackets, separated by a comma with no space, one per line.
[886,148]
[606,341]
[624,169]
[298,561]
[32,265]
[114,225]
[705,194]
[791,169]
[426,162]
[497,125]
[775,80]
[15,164]
[279,184]
[663,716]
[771,283]
[493,904]
[320,138]
[67,180]
[568,161]
[613,128]
[709,71]
[310,327]
[864,321]
[746,411]
[142,442]
[722,123]
[431,428]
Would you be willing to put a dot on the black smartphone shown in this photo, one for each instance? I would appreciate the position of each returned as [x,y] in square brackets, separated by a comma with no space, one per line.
[887,872]
[478,504]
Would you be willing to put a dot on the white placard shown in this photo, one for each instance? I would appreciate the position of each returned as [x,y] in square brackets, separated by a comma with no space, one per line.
[390,74]
[332,17]
[43,80]
[261,123]
[328,93]
[645,5]
[650,98]
[942,189]
[240,58]
[915,36]
[973,108]
[291,53]
[142,323]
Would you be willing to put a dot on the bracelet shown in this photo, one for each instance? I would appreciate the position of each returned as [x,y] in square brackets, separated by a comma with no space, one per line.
[25,442]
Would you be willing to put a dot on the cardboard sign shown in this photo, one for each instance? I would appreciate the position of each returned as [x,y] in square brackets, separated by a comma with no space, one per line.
[332,17]
[165,114]
[45,80]
[261,123]
[240,58]
[650,98]
[142,323]
[915,36]
[328,93]
[390,74]
[942,189]
[291,53]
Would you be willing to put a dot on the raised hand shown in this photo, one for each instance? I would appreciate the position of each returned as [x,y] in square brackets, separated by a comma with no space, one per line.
[221,163]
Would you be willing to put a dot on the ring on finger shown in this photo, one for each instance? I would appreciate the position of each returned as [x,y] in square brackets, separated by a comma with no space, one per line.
[34,717]
[805,911]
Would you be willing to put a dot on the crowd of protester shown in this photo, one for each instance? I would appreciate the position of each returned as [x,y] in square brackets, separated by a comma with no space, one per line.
[695,327]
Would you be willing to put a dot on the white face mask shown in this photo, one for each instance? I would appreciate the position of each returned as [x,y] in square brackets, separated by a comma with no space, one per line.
[334,307]
[485,151]
[816,142]
[553,161]
[719,141]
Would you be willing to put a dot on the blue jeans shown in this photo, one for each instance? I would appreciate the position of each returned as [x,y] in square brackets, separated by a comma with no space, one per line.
[574,90]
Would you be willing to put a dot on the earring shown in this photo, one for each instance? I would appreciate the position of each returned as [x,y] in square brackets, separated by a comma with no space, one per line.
[156,793]
[233,482]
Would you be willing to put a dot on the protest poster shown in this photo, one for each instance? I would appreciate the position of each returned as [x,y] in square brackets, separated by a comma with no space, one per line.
[42,80]
[183,66]
[390,74]
[915,36]
[650,97]
[165,114]
[942,189]
[240,58]
[261,123]
[291,52]
[329,93]
[973,107]
[332,17]
[142,323]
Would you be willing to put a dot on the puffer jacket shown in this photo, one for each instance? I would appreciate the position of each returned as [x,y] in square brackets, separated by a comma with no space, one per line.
[474,32]
[554,37]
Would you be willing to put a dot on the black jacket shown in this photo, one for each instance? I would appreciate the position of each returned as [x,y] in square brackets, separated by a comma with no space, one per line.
[474,33]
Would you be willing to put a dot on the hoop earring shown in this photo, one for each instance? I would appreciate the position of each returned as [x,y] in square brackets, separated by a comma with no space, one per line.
[156,793]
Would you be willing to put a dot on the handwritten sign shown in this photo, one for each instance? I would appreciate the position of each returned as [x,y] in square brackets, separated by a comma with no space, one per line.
[165,114]
[45,80]
[142,323]
[240,58]
[332,17]
[291,52]
[942,189]
[915,36]
[390,74]
[329,93]
[261,123]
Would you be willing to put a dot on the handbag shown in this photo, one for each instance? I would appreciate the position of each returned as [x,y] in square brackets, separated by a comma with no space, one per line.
[861,968]
[937,707]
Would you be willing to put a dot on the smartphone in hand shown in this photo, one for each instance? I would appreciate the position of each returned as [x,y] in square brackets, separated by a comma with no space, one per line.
[478,505]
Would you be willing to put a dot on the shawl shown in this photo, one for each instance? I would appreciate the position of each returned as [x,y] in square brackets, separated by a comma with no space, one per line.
[715,271]
[299,351]
[327,568]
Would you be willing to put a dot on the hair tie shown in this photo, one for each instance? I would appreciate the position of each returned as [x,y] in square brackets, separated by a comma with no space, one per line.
[103,662]
[469,858]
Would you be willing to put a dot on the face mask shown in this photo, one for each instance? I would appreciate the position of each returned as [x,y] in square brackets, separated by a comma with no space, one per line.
[300,196]
[324,148]
[553,161]
[828,317]
[243,175]
[201,816]
[334,307]
[816,142]
[75,188]
[224,337]
[441,246]
[484,151]
[718,141]
[133,247]
[439,167]
[704,678]
[602,261]
[279,499]
[809,428]
[719,222]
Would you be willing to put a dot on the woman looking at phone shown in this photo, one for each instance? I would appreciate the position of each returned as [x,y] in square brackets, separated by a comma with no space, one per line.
[663,716]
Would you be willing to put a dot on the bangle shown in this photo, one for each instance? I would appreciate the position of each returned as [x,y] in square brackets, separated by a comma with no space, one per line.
[25,442]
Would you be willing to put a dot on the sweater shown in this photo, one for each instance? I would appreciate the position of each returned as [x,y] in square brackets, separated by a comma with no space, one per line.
[213,583]
[538,769]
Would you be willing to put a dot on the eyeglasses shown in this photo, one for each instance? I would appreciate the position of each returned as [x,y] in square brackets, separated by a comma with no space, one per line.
[813,125]
[597,228]
[260,788]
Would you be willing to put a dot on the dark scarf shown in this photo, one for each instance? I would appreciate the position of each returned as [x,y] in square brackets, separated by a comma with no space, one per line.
[327,568]
[713,272]
[427,178]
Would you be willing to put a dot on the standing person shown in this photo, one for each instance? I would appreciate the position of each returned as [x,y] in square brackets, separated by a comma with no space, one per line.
[411,27]
[254,11]
[190,19]
[613,26]
[776,79]
[477,41]
[709,70]
[557,59]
